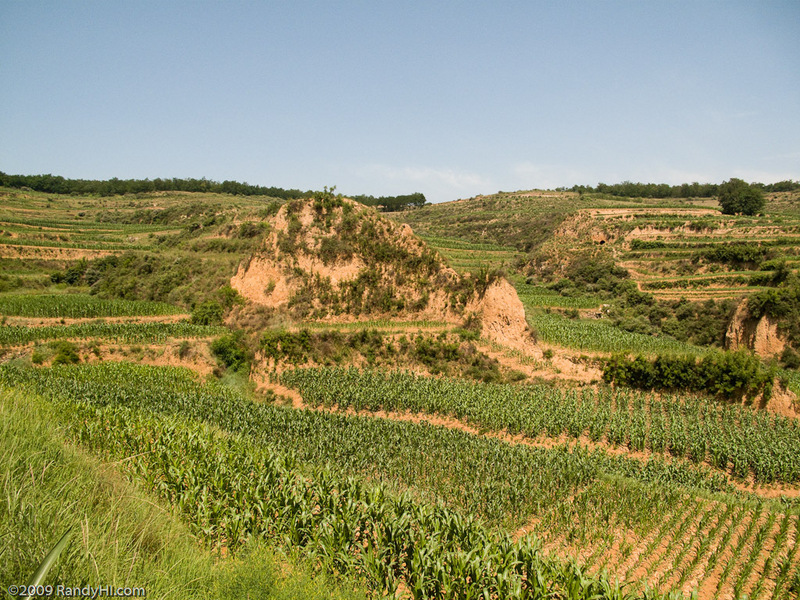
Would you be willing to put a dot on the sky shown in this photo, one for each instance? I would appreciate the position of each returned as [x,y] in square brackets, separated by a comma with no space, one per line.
[451,99]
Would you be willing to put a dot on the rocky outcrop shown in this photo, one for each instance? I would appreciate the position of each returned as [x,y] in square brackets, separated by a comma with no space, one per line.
[759,335]
[503,317]
[783,402]
[347,261]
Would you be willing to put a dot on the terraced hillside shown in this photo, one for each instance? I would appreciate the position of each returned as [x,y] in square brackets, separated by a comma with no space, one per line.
[685,258]
[305,376]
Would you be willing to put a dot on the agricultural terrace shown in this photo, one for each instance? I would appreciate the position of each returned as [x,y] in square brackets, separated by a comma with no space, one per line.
[419,489]
[463,475]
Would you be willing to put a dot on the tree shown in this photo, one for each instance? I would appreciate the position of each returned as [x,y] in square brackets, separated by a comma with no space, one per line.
[739,197]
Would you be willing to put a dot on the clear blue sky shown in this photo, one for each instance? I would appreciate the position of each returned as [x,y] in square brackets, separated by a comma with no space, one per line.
[451,98]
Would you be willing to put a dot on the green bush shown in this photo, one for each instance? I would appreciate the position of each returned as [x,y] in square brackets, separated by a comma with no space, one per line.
[739,197]
[208,313]
[232,351]
[737,253]
[790,359]
[66,354]
[725,374]
[293,347]
[647,245]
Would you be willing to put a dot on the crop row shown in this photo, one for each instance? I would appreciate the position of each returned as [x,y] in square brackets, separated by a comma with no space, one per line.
[728,437]
[79,225]
[504,483]
[286,475]
[71,245]
[121,333]
[231,490]
[601,336]
[76,306]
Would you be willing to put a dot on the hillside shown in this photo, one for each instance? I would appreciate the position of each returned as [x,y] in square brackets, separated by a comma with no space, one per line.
[685,257]
[512,394]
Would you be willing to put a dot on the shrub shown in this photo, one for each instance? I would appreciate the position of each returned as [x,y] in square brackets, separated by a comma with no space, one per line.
[726,374]
[207,313]
[790,359]
[232,351]
[647,245]
[66,354]
[739,197]
[737,253]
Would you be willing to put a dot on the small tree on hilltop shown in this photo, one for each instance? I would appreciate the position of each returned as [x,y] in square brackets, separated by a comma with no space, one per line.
[739,197]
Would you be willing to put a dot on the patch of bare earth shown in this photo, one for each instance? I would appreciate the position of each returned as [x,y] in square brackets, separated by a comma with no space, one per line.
[198,358]
[55,321]
[711,582]
[48,253]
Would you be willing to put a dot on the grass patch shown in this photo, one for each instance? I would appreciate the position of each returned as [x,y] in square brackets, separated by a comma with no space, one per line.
[121,536]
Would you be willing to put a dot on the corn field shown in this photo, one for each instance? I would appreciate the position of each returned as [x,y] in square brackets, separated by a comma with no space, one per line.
[120,333]
[79,306]
[598,335]
[226,469]
[730,438]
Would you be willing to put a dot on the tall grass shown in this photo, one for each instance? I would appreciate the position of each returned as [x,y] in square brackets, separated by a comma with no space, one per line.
[121,536]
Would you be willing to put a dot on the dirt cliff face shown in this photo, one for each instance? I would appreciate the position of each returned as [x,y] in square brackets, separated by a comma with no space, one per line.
[344,260]
[335,258]
[503,317]
[759,335]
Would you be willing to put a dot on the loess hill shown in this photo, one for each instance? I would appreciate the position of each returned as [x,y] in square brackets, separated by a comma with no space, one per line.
[307,385]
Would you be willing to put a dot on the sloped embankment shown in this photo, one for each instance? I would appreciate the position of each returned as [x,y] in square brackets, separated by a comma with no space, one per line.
[330,257]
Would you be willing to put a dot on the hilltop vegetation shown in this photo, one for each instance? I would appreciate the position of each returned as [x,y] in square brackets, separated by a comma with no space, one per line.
[307,386]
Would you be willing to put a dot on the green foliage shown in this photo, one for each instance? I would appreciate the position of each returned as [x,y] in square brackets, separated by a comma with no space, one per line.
[232,351]
[726,374]
[66,353]
[737,253]
[589,275]
[727,436]
[601,335]
[229,297]
[55,184]
[122,333]
[209,312]
[393,203]
[131,538]
[440,354]
[251,230]
[698,323]
[782,304]
[638,244]
[652,190]
[333,249]
[185,279]
[739,197]
[790,358]
[74,306]
[286,345]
